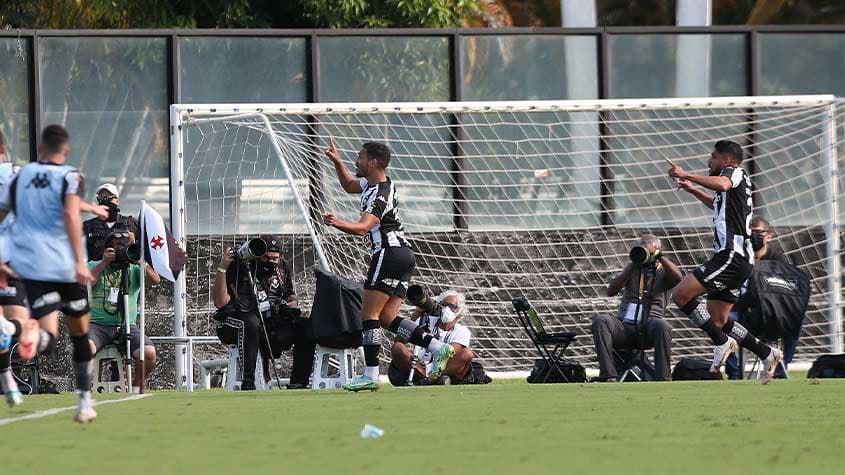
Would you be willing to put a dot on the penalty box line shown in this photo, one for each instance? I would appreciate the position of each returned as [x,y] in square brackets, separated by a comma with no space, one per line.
[57,410]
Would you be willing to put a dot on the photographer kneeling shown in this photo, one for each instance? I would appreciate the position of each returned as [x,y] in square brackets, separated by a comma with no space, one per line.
[120,260]
[259,261]
[649,270]
[443,319]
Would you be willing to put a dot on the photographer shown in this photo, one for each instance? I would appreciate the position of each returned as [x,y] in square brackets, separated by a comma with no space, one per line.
[107,321]
[623,331]
[238,312]
[761,236]
[446,328]
[97,229]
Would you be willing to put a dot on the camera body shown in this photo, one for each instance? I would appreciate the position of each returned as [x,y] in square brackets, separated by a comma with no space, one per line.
[424,300]
[114,210]
[125,255]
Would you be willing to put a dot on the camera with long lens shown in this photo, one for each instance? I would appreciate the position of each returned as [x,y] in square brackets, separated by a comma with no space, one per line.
[640,256]
[252,249]
[124,253]
[114,210]
[424,300]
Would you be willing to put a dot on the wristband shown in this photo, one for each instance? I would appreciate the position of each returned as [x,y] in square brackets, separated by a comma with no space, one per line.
[220,269]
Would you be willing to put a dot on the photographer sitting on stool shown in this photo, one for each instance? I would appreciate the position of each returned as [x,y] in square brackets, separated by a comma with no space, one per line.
[107,322]
[623,331]
[239,318]
[97,230]
[445,327]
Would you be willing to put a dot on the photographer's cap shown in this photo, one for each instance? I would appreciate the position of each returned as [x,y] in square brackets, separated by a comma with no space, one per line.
[110,187]
[273,242]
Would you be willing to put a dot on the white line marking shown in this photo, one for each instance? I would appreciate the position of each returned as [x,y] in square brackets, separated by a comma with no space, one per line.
[50,412]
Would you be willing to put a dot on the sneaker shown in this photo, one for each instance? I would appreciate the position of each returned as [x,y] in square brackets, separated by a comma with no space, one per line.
[361,383]
[441,357]
[85,409]
[29,339]
[13,398]
[721,353]
[771,364]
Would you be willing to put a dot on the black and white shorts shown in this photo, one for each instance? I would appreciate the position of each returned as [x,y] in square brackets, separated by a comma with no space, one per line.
[47,297]
[723,275]
[14,294]
[390,271]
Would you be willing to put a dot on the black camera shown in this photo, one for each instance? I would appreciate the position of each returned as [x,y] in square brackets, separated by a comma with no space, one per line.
[252,249]
[640,256]
[124,253]
[424,300]
[114,210]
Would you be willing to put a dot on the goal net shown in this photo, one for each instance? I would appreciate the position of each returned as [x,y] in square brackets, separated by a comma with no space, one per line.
[507,199]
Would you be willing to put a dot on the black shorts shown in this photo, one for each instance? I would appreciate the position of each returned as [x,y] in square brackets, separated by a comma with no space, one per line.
[104,335]
[723,275]
[46,297]
[13,294]
[390,271]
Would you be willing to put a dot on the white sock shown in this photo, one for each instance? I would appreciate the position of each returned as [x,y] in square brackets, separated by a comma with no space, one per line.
[85,396]
[435,345]
[7,380]
[371,372]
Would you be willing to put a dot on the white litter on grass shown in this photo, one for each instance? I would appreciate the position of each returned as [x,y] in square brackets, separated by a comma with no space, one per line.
[541,173]
[371,432]
[50,412]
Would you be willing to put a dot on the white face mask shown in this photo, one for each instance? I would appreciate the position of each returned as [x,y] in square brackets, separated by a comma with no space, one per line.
[448,315]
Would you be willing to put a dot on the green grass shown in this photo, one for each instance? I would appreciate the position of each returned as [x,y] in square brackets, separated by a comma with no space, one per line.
[789,427]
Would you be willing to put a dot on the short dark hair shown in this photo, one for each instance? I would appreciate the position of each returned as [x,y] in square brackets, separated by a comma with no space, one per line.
[53,138]
[379,152]
[730,147]
[761,221]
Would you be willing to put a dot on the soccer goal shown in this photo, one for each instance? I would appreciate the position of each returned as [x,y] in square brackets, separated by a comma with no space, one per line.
[541,199]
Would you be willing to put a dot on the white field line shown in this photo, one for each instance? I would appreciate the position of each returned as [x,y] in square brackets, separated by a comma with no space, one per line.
[50,412]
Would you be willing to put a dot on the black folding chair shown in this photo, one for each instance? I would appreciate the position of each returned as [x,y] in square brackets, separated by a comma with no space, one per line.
[550,346]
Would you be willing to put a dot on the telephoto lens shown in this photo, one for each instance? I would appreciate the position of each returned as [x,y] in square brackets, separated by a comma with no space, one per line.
[640,256]
[421,298]
[252,249]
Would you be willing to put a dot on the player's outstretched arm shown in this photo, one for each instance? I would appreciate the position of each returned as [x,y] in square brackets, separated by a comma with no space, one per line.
[99,210]
[368,221]
[349,183]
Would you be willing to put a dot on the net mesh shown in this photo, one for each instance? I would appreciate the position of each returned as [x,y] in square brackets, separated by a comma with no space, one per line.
[504,200]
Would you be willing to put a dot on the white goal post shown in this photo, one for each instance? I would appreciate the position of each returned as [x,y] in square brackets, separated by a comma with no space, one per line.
[541,199]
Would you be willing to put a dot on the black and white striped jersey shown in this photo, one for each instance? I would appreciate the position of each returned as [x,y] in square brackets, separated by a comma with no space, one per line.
[379,199]
[732,215]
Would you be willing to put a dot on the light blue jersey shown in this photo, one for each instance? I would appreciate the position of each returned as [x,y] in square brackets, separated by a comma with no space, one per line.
[7,172]
[39,245]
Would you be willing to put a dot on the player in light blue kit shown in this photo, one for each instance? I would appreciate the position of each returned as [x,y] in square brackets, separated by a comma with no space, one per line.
[15,324]
[46,250]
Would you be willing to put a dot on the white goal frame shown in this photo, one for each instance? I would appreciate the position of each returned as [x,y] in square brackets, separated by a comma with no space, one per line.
[183,116]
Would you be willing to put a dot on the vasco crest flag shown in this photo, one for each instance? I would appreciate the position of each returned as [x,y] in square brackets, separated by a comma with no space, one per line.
[160,249]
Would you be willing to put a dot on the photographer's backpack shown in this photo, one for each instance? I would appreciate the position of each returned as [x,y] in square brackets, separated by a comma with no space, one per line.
[569,372]
[694,369]
[828,366]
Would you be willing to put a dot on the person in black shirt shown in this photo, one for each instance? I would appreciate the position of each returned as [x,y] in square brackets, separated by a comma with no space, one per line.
[623,330]
[724,274]
[97,230]
[391,265]
[276,299]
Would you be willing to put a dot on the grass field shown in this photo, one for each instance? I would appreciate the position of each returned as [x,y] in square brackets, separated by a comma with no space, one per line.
[789,427]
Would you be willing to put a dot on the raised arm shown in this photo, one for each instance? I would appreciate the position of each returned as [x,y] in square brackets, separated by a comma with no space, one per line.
[349,183]
[619,281]
[702,195]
